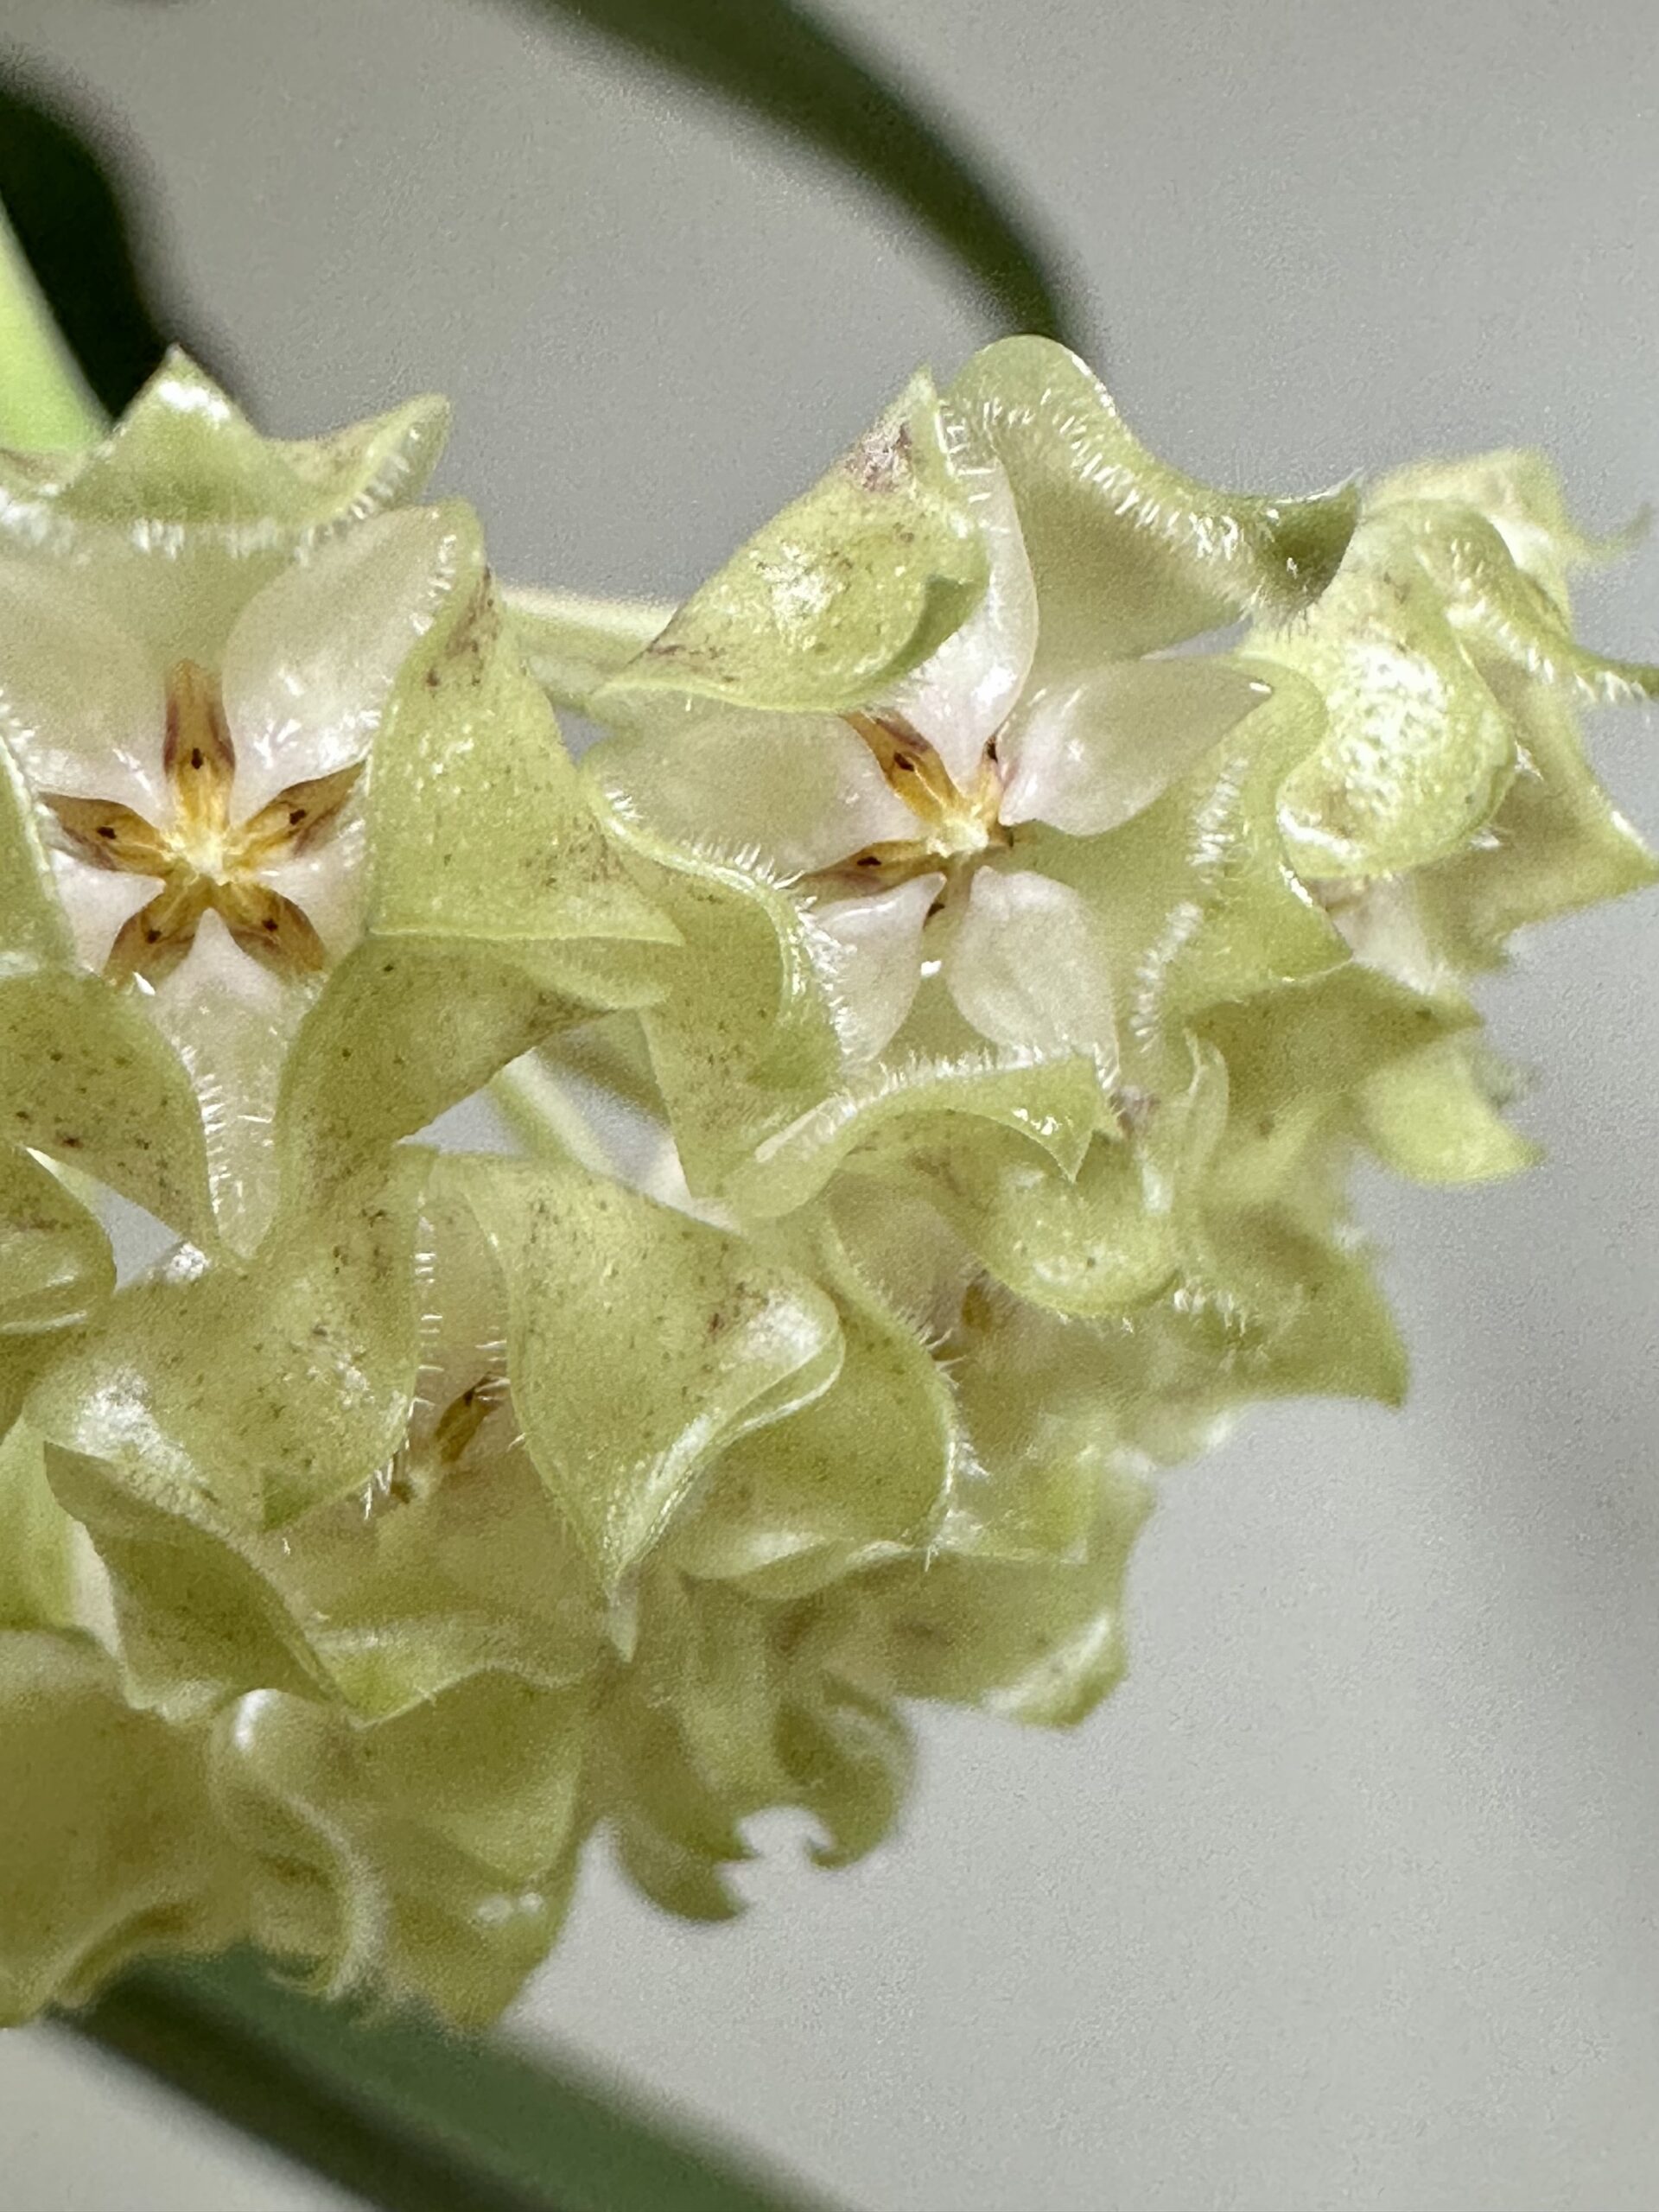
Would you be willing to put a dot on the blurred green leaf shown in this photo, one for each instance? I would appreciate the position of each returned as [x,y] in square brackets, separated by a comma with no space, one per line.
[775,59]
[73,214]
[410,2118]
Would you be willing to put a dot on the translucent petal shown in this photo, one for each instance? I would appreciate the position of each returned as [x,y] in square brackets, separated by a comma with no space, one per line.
[1196,894]
[962,694]
[877,968]
[842,593]
[1038,1642]
[85,1078]
[1418,752]
[1434,1117]
[641,1344]
[1088,756]
[1555,843]
[1129,555]
[1028,966]
[112,1846]
[309,666]
[81,701]
[1058,1106]
[791,793]
[478,826]
[183,454]
[54,1258]
[864,1467]
[260,1394]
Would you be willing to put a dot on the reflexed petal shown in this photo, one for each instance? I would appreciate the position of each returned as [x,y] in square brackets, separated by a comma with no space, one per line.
[1505,613]
[184,453]
[961,696]
[1129,554]
[797,792]
[236,1403]
[85,1078]
[477,820]
[112,1848]
[840,594]
[1058,1106]
[81,701]
[878,959]
[1436,1116]
[641,1346]
[54,1261]
[313,657]
[1039,1641]
[1519,494]
[1417,750]
[1556,842]
[1027,968]
[1088,756]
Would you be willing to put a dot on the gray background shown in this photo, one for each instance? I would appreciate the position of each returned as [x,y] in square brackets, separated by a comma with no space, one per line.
[1348,1898]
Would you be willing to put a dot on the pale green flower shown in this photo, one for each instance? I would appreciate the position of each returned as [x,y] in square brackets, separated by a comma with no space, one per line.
[957,1008]
[204,638]
[902,819]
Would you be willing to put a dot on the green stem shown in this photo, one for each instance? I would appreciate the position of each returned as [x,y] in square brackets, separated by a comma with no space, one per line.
[44,406]
[411,2119]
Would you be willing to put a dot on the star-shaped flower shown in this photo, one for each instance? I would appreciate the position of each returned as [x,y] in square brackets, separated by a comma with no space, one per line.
[908,821]
[204,860]
[193,759]
[194,787]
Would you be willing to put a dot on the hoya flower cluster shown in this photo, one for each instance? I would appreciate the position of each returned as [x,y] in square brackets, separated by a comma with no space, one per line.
[938,1014]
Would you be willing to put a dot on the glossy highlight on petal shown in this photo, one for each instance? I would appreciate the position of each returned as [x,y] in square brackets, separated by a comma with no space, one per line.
[938,1020]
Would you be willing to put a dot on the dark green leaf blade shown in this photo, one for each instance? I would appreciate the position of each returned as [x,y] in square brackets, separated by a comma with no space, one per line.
[775,57]
[410,2118]
[75,216]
